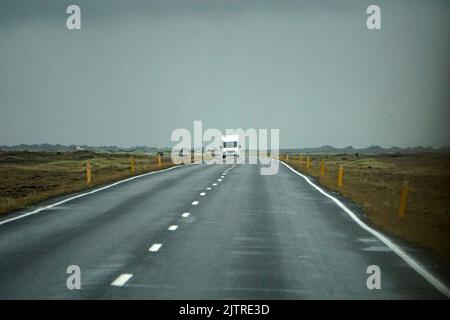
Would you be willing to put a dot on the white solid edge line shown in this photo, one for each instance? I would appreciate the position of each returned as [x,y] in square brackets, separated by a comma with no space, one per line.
[121,280]
[88,193]
[155,247]
[435,282]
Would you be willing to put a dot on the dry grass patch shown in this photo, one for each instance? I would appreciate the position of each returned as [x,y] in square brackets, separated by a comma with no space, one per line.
[374,182]
[30,177]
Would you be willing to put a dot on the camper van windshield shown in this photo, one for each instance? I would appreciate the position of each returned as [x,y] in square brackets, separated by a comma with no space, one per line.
[230,144]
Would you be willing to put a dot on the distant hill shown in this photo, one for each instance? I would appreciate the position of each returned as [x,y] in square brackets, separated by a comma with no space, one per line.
[327,149]
[369,150]
[63,148]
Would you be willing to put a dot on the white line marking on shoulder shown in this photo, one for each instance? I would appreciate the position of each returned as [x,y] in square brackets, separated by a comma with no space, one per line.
[435,282]
[121,280]
[88,193]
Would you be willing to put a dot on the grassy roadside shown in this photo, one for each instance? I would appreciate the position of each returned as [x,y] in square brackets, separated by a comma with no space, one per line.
[374,182]
[29,177]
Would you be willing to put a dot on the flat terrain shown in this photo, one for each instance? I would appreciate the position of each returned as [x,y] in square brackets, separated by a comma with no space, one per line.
[203,232]
[29,177]
[374,182]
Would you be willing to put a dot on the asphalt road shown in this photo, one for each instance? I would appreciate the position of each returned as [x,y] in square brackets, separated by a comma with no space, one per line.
[248,237]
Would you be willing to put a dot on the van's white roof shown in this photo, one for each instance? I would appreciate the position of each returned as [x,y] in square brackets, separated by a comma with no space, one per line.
[230,138]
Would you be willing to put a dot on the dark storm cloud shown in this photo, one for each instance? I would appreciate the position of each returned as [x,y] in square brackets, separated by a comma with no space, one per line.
[139,69]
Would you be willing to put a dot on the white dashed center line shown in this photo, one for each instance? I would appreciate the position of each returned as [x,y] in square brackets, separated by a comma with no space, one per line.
[185,215]
[219,180]
[155,247]
[121,280]
[214,184]
[209,188]
[202,194]
[195,203]
[173,227]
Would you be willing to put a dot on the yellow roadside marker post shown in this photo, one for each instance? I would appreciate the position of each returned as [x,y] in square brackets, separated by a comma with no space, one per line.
[307,162]
[340,176]
[287,157]
[88,172]
[132,165]
[301,159]
[403,199]
[159,160]
[322,168]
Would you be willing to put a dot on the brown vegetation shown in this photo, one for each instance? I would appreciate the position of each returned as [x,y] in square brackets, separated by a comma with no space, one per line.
[29,177]
[374,182]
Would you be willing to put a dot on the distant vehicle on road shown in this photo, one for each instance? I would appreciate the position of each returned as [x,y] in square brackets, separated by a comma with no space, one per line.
[230,146]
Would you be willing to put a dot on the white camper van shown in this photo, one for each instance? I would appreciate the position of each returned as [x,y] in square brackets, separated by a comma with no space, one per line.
[230,146]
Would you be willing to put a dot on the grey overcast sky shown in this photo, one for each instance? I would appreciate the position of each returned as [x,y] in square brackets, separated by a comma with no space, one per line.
[139,69]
